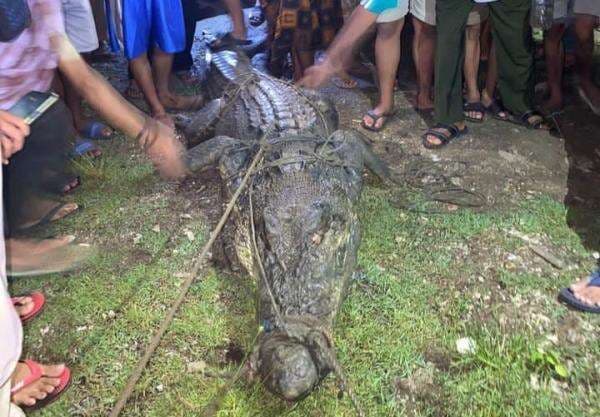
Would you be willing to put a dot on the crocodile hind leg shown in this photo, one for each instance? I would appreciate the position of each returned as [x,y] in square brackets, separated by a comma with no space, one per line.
[200,125]
[209,153]
[352,148]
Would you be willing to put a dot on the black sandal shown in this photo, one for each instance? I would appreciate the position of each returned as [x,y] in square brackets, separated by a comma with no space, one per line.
[495,109]
[523,120]
[474,107]
[376,117]
[454,131]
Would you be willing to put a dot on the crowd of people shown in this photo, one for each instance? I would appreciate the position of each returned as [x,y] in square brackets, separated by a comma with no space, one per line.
[59,38]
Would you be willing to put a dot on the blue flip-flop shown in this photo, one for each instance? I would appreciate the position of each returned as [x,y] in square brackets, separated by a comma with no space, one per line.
[82,147]
[567,296]
[93,130]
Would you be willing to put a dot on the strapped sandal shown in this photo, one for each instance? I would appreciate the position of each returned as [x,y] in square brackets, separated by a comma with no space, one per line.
[567,296]
[454,131]
[474,107]
[376,117]
[38,300]
[37,374]
[85,148]
[95,130]
[495,109]
[523,120]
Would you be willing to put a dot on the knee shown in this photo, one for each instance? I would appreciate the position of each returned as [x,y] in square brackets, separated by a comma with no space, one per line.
[390,31]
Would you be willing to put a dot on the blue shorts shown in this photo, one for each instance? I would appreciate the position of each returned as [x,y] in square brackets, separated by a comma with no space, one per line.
[149,23]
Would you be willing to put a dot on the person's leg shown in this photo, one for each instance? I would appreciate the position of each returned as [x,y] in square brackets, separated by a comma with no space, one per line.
[387,57]
[142,74]
[302,60]
[183,61]
[513,42]
[489,91]
[471,69]
[423,55]
[451,22]
[553,52]
[584,30]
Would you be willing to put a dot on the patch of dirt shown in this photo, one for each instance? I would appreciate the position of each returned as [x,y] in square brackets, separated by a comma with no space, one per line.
[421,391]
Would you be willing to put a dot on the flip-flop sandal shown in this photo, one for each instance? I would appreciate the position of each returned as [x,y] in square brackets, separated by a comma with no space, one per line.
[38,305]
[567,296]
[474,107]
[37,374]
[257,16]
[376,117]
[523,120]
[588,101]
[66,258]
[228,42]
[48,217]
[95,130]
[83,148]
[455,133]
[495,109]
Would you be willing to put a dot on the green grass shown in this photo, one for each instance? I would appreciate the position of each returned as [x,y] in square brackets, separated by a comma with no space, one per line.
[413,296]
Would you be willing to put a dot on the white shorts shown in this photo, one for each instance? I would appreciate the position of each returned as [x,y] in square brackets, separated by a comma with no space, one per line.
[590,7]
[424,10]
[79,25]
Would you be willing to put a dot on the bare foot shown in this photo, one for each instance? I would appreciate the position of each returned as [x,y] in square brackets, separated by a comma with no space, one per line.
[23,305]
[586,293]
[177,102]
[37,390]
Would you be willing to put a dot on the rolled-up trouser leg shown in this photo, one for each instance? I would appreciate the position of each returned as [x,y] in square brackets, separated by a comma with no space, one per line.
[451,20]
[8,409]
[513,41]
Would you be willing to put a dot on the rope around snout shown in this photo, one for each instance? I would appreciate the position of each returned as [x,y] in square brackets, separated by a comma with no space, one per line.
[164,326]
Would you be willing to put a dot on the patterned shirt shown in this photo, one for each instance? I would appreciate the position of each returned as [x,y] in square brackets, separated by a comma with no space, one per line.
[28,63]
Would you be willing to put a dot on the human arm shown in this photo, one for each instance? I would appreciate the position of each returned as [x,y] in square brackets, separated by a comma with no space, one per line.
[159,142]
[340,52]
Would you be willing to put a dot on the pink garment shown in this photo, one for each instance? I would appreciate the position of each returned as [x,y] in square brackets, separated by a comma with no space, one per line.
[28,63]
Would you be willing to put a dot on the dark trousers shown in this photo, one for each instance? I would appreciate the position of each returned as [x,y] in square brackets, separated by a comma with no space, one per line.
[182,61]
[39,170]
[512,37]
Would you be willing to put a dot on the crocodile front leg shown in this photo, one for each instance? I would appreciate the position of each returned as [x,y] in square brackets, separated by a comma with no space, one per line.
[209,153]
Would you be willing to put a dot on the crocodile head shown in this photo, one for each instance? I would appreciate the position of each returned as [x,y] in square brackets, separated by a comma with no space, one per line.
[310,240]
[292,363]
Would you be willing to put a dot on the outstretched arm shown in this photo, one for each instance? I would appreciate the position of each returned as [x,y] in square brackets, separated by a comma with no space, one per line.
[158,141]
[340,52]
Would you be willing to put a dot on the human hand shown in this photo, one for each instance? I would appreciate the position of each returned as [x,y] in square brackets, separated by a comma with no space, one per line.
[13,131]
[317,74]
[163,149]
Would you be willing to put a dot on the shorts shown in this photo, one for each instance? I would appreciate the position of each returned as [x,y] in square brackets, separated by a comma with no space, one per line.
[589,7]
[79,25]
[390,15]
[424,10]
[149,23]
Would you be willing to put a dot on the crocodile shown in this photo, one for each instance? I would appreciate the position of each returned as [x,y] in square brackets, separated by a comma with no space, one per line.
[248,103]
[295,230]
